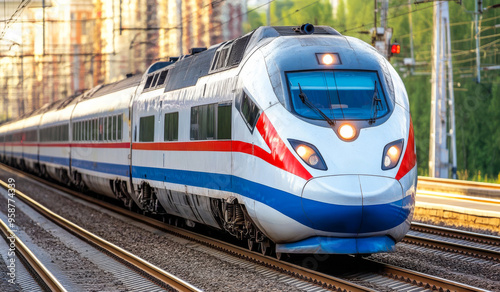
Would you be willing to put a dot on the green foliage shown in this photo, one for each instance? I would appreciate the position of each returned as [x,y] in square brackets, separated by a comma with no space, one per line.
[477,106]
[294,12]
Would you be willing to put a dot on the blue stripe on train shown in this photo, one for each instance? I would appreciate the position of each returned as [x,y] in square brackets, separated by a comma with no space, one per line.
[375,217]
[109,168]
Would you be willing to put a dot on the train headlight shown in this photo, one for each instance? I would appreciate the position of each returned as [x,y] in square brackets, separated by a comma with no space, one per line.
[391,154]
[328,59]
[309,154]
[347,131]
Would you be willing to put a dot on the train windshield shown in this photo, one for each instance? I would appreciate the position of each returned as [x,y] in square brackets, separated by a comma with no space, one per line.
[354,95]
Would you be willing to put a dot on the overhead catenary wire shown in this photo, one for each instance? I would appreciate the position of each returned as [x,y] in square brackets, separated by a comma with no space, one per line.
[13,18]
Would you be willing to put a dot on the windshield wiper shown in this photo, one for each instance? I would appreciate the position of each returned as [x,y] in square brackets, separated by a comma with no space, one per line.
[375,104]
[305,100]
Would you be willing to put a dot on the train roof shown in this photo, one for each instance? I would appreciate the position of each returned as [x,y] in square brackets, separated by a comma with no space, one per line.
[116,86]
[188,69]
[226,55]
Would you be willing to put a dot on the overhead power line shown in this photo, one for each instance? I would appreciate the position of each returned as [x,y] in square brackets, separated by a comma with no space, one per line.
[13,18]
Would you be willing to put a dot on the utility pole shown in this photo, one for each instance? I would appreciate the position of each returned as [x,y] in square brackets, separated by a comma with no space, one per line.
[477,9]
[268,13]
[381,36]
[441,106]
[179,13]
[411,60]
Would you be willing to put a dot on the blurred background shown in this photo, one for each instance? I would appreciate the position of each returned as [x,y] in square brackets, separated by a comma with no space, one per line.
[51,49]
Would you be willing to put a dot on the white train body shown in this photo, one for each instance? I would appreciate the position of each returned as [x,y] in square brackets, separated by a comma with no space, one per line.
[246,137]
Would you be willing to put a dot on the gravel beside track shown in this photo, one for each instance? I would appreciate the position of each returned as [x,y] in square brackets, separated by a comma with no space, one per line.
[4,278]
[177,256]
[79,269]
[184,259]
[475,272]
[443,224]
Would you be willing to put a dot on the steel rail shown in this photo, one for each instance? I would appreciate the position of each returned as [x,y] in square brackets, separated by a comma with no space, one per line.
[299,272]
[423,280]
[463,183]
[48,280]
[455,233]
[460,189]
[135,262]
[327,281]
[324,280]
[296,271]
[452,246]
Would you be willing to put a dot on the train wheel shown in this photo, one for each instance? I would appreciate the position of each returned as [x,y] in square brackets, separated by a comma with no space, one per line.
[265,247]
[252,245]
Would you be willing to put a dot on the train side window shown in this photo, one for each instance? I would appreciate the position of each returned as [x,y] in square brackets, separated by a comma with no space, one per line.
[110,128]
[80,131]
[105,129]
[171,130]
[147,129]
[224,121]
[155,79]
[84,131]
[148,82]
[120,126]
[249,111]
[162,78]
[101,129]
[94,129]
[115,127]
[203,122]
[65,132]
[75,131]
[87,130]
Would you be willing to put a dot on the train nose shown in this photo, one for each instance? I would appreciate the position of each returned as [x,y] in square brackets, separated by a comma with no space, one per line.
[354,204]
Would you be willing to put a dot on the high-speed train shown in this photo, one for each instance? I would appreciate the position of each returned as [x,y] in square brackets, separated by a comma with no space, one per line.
[295,139]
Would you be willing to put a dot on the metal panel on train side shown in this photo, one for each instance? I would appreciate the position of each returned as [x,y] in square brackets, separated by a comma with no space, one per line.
[186,172]
[14,148]
[54,155]
[31,148]
[102,158]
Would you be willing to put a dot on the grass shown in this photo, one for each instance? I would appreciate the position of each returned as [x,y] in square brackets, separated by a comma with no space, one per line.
[464,174]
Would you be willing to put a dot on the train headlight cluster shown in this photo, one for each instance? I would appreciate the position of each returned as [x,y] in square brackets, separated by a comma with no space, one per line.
[392,153]
[309,154]
[347,131]
[328,58]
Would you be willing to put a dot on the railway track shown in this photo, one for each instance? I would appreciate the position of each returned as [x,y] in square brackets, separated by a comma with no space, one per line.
[154,274]
[43,277]
[452,240]
[380,274]
[470,188]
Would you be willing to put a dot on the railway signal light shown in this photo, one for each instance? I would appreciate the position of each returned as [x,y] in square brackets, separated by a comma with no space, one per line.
[395,48]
